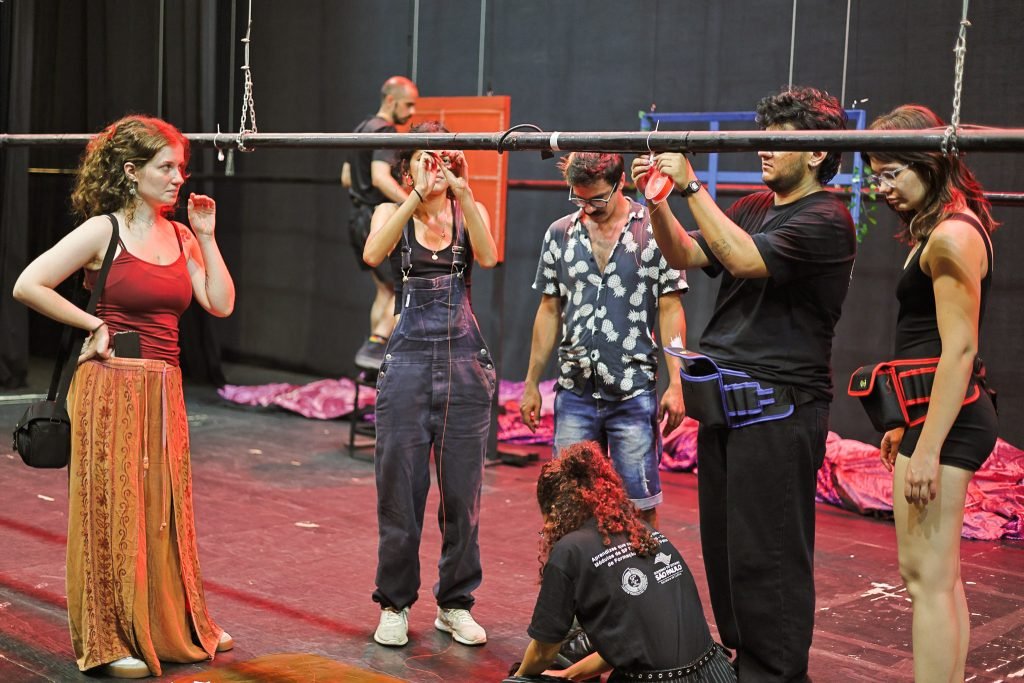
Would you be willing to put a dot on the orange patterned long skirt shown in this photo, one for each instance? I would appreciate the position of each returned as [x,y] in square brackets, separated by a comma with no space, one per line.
[133,581]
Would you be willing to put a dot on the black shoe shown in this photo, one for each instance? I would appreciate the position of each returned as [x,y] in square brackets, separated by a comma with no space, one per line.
[371,354]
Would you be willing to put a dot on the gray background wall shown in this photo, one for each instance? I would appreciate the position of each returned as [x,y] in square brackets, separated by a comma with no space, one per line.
[567,65]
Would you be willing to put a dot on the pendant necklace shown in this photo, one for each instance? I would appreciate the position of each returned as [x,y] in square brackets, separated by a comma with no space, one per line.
[444,234]
[433,255]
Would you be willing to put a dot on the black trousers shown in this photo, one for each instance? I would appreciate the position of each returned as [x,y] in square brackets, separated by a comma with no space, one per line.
[756,490]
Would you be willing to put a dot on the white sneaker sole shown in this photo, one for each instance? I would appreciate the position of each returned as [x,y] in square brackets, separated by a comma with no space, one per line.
[442,626]
[390,644]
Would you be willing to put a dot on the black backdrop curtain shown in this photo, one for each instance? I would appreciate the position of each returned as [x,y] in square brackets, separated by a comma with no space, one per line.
[318,65]
[15,77]
[75,67]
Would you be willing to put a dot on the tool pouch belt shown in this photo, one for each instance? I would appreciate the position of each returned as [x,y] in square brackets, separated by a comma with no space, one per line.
[896,393]
[719,397]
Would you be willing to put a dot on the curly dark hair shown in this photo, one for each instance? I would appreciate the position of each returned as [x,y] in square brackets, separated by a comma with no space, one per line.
[405,156]
[951,184]
[805,108]
[102,186]
[581,484]
[586,168]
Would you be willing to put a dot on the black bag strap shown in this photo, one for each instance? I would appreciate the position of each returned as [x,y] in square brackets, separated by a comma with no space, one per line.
[67,359]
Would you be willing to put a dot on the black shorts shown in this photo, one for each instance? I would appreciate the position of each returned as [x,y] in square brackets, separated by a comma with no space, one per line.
[971,438]
[358,231]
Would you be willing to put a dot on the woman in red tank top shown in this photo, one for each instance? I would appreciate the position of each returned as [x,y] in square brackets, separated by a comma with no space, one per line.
[130,488]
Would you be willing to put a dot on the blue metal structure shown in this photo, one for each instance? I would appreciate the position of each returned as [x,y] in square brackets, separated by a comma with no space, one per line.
[712,176]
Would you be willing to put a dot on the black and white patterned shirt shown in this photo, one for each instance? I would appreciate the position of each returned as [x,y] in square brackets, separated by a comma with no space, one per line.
[609,318]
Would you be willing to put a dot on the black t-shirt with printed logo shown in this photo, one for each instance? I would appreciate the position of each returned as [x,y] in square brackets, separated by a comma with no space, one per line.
[780,328]
[639,612]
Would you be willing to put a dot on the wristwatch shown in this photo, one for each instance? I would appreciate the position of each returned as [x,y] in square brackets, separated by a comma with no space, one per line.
[692,187]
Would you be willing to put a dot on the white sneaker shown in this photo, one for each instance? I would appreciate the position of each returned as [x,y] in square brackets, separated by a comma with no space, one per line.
[225,643]
[128,667]
[461,624]
[393,629]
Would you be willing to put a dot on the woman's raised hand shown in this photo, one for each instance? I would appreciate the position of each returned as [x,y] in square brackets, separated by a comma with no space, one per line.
[202,214]
[456,172]
[423,177]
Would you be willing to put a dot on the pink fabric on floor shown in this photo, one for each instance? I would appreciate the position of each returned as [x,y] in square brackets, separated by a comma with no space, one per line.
[851,476]
[260,395]
[679,449]
[326,399]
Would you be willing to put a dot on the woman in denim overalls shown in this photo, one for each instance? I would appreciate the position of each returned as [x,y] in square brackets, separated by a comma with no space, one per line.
[434,391]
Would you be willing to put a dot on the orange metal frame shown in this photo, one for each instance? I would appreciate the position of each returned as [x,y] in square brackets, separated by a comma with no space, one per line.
[488,169]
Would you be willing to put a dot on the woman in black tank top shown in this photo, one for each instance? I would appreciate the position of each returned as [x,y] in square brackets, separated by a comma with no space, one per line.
[942,296]
[434,393]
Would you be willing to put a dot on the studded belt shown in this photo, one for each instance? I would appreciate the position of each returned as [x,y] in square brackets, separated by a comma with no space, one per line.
[673,673]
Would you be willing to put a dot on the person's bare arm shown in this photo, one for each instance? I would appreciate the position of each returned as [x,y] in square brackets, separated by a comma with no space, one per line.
[485,252]
[671,324]
[954,258]
[389,220]
[538,658]
[84,246]
[380,176]
[211,282]
[732,245]
[346,175]
[546,325]
[679,249]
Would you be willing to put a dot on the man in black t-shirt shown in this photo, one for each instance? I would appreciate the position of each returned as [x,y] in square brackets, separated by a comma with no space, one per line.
[785,257]
[370,177]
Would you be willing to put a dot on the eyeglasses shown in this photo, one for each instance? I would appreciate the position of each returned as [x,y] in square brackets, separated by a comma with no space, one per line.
[595,202]
[887,178]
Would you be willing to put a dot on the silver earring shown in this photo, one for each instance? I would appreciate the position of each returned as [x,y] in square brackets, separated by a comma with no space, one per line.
[131,190]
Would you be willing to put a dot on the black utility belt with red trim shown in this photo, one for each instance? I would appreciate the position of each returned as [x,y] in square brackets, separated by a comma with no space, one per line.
[896,393]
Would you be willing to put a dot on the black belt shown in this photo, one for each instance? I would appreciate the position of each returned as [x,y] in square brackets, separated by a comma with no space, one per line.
[674,673]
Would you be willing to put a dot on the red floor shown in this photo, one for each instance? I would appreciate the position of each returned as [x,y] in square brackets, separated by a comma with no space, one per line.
[287,530]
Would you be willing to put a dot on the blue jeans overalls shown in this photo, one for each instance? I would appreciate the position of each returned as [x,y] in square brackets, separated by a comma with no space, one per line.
[434,391]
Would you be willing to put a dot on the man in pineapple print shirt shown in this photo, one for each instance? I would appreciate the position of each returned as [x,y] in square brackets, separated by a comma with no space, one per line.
[603,283]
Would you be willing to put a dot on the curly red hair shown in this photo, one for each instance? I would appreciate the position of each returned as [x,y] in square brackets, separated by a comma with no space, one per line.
[581,484]
[101,185]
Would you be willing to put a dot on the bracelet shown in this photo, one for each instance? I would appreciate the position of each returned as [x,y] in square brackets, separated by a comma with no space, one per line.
[418,194]
[95,329]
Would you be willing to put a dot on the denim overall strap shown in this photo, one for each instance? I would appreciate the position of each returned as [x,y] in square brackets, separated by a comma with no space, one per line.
[407,250]
[458,243]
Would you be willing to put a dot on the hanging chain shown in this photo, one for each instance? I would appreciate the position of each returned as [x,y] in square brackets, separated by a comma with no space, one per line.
[248,104]
[949,139]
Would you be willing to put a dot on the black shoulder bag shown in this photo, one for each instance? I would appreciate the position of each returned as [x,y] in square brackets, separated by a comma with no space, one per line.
[42,436]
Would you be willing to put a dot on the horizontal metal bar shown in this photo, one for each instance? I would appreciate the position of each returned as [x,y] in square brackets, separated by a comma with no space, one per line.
[997,198]
[981,140]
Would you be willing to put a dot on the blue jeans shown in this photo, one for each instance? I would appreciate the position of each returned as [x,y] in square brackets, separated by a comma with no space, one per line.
[628,430]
